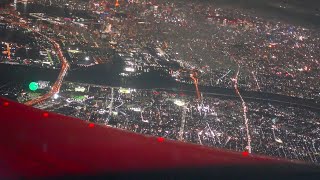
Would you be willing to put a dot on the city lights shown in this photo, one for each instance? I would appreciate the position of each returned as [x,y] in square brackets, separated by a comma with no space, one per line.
[208,73]
[56,96]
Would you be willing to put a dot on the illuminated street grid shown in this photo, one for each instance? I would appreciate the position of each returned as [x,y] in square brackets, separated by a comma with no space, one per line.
[276,130]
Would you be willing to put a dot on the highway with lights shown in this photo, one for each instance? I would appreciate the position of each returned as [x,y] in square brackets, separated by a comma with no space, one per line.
[56,86]
[64,69]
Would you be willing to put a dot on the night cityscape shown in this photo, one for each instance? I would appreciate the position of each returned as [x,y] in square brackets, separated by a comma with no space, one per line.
[242,77]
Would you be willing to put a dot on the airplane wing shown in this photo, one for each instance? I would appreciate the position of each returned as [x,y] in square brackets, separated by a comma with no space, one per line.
[39,144]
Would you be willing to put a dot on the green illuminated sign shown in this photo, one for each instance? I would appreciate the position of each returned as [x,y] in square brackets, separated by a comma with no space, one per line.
[33,86]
